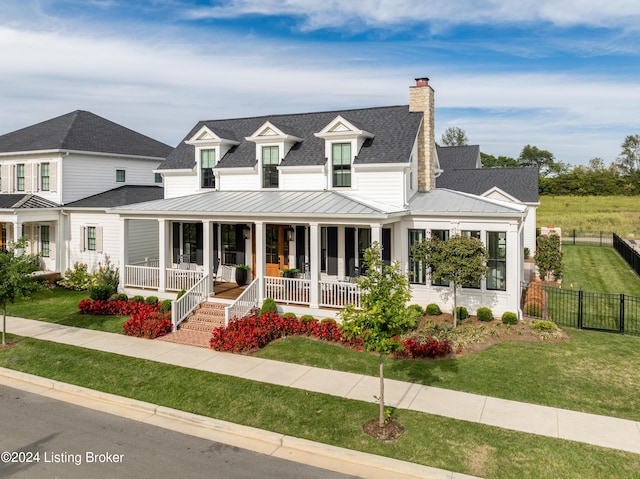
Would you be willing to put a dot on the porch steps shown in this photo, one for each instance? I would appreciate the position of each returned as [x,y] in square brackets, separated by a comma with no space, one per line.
[197,328]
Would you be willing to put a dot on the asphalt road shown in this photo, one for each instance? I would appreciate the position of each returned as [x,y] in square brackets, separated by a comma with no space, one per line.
[45,438]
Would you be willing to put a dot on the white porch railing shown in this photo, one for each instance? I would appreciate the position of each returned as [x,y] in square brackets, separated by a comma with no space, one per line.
[178,279]
[337,295]
[287,290]
[141,276]
[182,307]
[243,303]
[153,262]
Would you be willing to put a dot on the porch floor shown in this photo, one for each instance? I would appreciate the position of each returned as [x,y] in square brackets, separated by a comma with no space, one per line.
[227,290]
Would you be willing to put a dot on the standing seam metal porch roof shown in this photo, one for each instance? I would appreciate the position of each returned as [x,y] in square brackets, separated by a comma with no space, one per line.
[318,204]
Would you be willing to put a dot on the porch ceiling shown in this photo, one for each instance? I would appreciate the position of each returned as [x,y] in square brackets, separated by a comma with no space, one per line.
[251,203]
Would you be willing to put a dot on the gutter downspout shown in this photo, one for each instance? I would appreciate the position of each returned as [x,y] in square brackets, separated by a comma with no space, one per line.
[521,268]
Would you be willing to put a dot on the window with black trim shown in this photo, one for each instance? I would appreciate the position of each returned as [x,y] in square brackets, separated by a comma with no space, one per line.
[157,178]
[120,176]
[229,242]
[417,269]
[91,238]
[207,162]
[442,235]
[44,241]
[341,164]
[20,177]
[497,249]
[44,176]
[476,235]
[270,160]
[190,241]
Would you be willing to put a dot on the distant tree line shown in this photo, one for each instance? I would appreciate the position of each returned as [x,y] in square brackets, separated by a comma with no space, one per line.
[620,177]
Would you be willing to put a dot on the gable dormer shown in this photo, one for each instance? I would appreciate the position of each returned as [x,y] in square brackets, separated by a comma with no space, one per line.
[210,146]
[272,145]
[343,140]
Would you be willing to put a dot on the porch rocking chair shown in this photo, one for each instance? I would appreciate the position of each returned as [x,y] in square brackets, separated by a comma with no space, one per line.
[214,270]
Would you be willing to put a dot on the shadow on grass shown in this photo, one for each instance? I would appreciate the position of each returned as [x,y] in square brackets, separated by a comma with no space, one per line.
[421,371]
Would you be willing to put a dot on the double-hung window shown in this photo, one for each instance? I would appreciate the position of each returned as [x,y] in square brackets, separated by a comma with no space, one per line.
[476,235]
[91,238]
[44,177]
[44,241]
[229,242]
[207,162]
[270,166]
[341,164]
[417,269]
[442,235]
[20,177]
[497,249]
[120,176]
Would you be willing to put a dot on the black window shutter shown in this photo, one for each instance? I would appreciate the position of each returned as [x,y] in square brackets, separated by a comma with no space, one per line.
[240,244]
[386,246]
[300,235]
[199,229]
[349,250]
[176,241]
[215,242]
[332,250]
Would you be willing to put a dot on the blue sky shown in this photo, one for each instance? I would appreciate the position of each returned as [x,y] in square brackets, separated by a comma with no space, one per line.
[559,74]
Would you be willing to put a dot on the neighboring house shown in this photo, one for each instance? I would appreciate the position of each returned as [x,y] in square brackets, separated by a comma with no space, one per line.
[312,191]
[46,166]
[461,170]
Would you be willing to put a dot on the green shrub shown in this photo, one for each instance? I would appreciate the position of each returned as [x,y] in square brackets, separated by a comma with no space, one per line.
[77,278]
[417,308]
[484,314]
[181,293]
[269,306]
[509,318]
[138,299]
[151,300]
[289,315]
[527,253]
[165,306]
[462,313]
[328,320]
[307,318]
[433,310]
[118,297]
[544,325]
[101,292]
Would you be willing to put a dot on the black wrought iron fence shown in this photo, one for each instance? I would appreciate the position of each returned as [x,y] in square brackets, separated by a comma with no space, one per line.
[592,238]
[583,309]
[628,252]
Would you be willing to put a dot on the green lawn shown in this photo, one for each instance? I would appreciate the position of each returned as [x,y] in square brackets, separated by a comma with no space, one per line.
[60,306]
[450,444]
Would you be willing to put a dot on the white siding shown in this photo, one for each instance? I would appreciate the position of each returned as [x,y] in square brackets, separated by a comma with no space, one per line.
[386,187]
[296,181]
[143,240]
[85,175]
[182,185]
[530,229]
[110,225]
[32,175]
[239,182]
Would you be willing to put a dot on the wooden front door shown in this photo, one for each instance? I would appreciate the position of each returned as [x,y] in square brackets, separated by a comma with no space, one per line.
[277,250]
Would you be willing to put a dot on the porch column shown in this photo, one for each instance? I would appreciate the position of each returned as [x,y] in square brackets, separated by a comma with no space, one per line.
[17,230]
[124,251]
[314,266]
[164,248]
[376,234]
[207,260]
[261,266]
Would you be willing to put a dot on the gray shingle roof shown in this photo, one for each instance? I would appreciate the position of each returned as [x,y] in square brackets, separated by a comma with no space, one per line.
[521,183]
[22,201]
[458,157]
[82,131]
[123,195]
[394,127]
[448,202]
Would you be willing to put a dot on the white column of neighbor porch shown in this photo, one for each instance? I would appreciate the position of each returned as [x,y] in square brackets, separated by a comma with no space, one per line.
[314,265]
[163,251]
[261,265]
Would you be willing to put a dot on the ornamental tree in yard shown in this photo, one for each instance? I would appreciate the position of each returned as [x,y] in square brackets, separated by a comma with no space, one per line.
[383,316]
[16,277]
[460,260]
[548,256]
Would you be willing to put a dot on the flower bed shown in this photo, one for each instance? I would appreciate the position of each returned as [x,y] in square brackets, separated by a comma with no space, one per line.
[254,332]
[147,321]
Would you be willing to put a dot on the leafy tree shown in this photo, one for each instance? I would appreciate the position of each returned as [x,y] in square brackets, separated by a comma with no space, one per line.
[548,256]
[16,277]
[628,161]
[454,136]
[542,159]
[460,260]
[490,161]
[383,315]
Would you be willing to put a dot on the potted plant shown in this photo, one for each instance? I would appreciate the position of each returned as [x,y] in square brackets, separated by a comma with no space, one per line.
[290,272]
[242,271]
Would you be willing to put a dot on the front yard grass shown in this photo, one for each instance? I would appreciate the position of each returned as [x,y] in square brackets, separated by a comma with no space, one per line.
[432,440]
[59,305]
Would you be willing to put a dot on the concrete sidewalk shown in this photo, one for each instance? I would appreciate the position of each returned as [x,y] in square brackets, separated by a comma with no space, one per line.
[546,421]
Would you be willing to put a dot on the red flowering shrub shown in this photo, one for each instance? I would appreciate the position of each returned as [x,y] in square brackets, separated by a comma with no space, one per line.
[146,319]
[254,332]
[428,348]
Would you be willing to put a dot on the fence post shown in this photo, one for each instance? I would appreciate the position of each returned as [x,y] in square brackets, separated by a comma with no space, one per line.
[580,309]
[621,313]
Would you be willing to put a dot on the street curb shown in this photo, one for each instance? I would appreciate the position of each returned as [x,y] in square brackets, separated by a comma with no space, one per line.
[346,461]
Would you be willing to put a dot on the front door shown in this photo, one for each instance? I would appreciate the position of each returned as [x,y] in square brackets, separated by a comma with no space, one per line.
[277,257]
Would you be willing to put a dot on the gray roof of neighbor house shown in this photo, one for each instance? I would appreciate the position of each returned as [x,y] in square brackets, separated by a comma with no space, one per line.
[22,201]
[445,202]
[521,183]
[394,127]
[123,195]
[458,157]
[83,131]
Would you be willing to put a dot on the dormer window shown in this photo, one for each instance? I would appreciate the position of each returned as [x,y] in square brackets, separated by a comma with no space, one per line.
[207,162]
[270,160]
[341,165]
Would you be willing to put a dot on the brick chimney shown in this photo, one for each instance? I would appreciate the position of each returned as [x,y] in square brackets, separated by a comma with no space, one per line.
[421,99]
